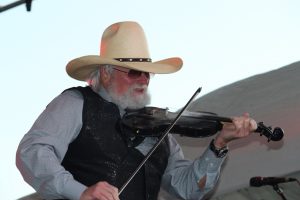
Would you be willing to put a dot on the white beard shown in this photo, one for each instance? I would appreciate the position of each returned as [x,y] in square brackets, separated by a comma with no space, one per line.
[128,100]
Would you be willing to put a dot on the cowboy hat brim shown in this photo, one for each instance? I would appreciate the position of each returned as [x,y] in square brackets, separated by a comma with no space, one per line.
[81,68]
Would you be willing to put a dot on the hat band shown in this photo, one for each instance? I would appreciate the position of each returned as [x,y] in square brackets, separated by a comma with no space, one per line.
[134,59]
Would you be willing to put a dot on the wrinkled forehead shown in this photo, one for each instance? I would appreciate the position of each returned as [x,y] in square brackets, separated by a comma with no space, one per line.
[124,69]
[120,68]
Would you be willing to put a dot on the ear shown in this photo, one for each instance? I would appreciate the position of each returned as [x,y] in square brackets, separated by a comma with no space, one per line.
[104,77]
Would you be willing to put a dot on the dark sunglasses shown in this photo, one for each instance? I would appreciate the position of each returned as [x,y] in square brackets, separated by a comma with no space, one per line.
[134,74]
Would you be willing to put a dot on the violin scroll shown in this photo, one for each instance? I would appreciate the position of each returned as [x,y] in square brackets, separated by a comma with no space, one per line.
[274,135]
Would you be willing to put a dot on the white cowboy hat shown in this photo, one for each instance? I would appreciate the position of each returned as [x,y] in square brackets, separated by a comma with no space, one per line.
[123,44]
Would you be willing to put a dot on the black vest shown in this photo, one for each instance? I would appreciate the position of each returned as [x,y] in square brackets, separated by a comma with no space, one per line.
[101,152]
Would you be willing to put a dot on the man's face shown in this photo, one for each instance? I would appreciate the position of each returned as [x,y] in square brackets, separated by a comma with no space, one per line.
[125,80]
[129,88]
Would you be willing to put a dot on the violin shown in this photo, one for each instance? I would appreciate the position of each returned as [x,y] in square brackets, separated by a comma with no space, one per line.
[152,121]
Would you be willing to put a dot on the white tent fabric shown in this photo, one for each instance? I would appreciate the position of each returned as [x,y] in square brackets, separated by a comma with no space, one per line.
[272,97]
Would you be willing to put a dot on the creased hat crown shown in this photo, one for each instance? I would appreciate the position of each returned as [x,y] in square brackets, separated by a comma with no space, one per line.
[124,40]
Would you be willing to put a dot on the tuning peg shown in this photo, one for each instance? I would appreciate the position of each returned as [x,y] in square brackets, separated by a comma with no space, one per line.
[277,134]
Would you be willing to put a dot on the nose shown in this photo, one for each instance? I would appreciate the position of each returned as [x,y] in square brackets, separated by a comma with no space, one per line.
[144,78]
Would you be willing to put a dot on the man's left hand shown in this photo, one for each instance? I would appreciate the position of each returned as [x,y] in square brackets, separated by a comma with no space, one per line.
[240,127]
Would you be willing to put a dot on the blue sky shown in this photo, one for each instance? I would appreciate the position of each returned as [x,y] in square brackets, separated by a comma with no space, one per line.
[220,41]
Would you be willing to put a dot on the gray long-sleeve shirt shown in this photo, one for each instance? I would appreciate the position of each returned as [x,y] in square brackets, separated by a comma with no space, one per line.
[43,148]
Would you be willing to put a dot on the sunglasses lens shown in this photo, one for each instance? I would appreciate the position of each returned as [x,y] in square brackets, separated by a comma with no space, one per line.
[136,74]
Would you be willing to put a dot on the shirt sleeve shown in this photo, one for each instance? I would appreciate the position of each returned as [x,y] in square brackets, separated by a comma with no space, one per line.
[181,175]
[43,148]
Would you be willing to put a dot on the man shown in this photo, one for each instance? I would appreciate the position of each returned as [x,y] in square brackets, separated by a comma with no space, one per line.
[77,149]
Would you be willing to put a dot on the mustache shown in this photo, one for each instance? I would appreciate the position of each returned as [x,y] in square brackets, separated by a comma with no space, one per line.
[139,86]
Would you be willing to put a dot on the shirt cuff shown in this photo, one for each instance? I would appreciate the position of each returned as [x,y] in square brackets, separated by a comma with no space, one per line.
[208,163]
[73,190]
[214,162]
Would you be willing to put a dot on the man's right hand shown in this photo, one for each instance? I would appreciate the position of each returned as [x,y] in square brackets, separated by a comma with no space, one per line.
[100,191]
